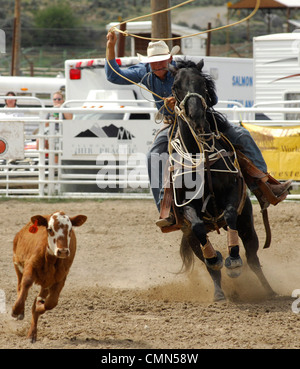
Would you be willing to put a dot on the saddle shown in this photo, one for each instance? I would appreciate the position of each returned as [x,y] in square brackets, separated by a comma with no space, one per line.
[167,206]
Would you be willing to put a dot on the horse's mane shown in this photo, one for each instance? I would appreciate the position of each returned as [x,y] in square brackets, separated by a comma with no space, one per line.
[209,82]
[212,96]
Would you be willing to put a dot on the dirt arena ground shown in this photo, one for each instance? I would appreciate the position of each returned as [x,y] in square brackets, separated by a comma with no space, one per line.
[124,290]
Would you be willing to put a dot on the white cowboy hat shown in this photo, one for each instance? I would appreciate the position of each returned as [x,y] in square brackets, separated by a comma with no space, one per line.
[158,51]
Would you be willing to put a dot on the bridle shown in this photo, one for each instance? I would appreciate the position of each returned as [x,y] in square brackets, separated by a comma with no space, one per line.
[180,111]
[208,150]
[180,105]
[209,154]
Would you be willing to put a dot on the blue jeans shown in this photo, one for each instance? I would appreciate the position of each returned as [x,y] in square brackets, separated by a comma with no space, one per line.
[158,156]
[239,136]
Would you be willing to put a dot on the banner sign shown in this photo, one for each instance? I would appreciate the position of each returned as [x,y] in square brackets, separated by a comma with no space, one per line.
[280,147]
[87,139]
[11,140]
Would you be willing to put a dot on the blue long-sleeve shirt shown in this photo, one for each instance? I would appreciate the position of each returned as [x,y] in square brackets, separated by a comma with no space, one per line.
[138,74]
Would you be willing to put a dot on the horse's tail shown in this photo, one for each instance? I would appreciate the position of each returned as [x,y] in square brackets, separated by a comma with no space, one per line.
[186,253]
[267,228]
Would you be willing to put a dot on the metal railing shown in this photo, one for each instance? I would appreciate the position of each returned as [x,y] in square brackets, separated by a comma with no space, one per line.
[43,172]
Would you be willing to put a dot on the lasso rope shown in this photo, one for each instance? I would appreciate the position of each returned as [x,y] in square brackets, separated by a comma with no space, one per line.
[176,144]
[125,33]
[187,163]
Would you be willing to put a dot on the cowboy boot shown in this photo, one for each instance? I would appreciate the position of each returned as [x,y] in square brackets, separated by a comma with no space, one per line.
[166,216]
[280,189]
[166,222]
[270,191]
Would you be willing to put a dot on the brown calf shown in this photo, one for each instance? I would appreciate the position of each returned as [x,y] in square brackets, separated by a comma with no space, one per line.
[44,250]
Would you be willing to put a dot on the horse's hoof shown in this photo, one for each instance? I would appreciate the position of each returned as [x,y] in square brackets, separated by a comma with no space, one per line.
[215,263]
[233,266]
[234,273]
[233,262]
[219,296]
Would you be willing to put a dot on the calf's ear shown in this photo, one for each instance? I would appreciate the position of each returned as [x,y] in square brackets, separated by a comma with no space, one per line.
[78,220]
[39,220]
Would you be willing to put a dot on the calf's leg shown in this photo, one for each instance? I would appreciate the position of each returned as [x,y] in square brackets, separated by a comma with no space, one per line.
[46,300]
[25,281]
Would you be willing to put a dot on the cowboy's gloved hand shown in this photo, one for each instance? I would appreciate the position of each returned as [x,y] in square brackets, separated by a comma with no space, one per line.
[170,102]
[111,39]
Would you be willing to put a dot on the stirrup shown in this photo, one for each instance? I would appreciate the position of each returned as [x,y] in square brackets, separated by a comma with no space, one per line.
[268,195]
[169,219]
[166,222]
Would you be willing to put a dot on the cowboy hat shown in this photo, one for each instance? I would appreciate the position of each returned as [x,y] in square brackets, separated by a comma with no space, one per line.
[158,51]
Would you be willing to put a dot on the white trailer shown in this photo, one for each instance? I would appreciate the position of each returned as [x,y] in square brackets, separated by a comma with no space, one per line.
[84,76]
[233,77]
[277,71]
[87,87]
[42,88]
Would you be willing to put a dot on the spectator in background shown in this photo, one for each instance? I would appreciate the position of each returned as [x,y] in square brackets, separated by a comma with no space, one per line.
[58,100]
[11,103]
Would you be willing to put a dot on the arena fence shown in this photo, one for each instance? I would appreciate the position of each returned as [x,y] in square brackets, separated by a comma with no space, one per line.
[62,159]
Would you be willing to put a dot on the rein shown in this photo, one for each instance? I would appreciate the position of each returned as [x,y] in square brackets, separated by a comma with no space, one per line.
[180,110]
[208,153]
[201,139]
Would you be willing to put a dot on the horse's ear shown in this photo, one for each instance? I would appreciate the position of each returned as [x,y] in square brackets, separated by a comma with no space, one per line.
[211,89]
[172,69]
[200,65]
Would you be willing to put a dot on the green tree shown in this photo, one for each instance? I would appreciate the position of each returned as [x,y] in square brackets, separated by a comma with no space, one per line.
[56,25]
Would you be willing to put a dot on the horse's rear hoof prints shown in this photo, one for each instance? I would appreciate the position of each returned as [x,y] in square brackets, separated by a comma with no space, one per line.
[215,263]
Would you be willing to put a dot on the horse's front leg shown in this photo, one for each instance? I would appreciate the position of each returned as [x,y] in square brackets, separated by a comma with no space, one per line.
[212,258]
[233,262]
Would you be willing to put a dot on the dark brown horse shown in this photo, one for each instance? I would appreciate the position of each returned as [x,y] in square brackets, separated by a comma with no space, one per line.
[210,160]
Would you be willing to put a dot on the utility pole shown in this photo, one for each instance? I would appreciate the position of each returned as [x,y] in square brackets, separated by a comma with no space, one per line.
[16,47]
[121,41]
[161,23]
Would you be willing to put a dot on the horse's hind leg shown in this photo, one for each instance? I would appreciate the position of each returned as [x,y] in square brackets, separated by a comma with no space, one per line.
[254,264]
[250,240]
[216,277]
[189,245]
[233,262]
